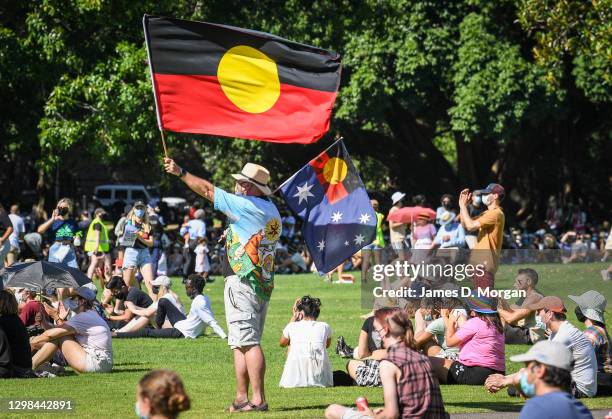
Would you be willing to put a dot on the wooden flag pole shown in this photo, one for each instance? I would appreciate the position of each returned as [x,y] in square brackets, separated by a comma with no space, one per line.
[163,138]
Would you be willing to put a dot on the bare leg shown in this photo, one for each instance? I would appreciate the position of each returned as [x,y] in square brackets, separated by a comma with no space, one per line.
[147,278]
[127,276]
[351,367]
[256,366]
[93,263]
[365,265]
[441,367]
[242,376]
[74,353]
[335,411]
[44,354]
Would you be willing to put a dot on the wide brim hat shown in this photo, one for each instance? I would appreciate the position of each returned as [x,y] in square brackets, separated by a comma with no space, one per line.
[256,175]
[481,304]
[396,197]
[592,304]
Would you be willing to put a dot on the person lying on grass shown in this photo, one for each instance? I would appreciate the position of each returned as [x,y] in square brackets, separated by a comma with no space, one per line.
[481,339]
[410,388]
[307,363]
[192,326]
[83,342]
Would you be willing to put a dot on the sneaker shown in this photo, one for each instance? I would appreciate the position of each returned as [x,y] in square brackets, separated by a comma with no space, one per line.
[48,369]
[343,349]
[605,275]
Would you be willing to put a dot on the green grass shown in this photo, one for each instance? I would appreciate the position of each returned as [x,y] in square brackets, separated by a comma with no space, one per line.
[205,364]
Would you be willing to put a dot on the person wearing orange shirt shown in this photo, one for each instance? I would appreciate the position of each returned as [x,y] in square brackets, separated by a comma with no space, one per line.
[490,228]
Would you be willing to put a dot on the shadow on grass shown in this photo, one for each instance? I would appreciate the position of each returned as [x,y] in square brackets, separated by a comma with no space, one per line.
[494,406]
[123,364]
[117,370]
[315,407]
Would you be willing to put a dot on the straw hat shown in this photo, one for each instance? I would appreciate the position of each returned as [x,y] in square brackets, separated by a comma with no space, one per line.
[255,174]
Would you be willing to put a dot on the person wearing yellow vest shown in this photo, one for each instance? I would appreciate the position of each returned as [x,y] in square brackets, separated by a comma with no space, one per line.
[376,247]
[97,247]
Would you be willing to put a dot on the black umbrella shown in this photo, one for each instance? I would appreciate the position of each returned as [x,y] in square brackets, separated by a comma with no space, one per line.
[38,276]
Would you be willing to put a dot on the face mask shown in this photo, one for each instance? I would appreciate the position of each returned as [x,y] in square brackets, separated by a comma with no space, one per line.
[71,304]
[446,205]
[139,213]
[527,388]
[155,289]
[478,200]
[485,199]
[138,412]
[62,211]
[428,318]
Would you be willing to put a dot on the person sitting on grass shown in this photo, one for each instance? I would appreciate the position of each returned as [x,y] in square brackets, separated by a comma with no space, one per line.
[160,287]
[192,326]
[366,370]
[134,300]
[83,342]
[546,381]
[161,395]
[584,369]
[369,344]
[15,354]
[410,388]
[307,363]
[481,339]
[432,340]
[590,309]
[520,325]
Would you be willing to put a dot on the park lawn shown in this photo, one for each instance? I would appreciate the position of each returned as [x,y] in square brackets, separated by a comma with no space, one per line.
[206,367]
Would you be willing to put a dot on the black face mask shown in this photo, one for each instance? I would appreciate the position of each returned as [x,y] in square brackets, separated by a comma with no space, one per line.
[155,289]
[63,211]
[581,317]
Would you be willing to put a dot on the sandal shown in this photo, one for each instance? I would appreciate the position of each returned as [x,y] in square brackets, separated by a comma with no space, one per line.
[257,408]
[236,407]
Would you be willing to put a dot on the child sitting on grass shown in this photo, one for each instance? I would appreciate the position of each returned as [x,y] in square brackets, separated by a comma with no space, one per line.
[307,362]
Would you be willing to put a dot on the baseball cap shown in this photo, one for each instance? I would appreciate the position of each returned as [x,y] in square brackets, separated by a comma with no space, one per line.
[495,188]
[551,303]
[546,352]
[99,211]
[481,304]
[592,304]
[396,197]
[139,204]
[162,281]
[85,293]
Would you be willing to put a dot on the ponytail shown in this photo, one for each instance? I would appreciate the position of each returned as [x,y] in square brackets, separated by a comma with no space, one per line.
[400,327]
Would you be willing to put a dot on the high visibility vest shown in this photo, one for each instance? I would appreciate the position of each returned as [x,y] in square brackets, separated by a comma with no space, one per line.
[90,242]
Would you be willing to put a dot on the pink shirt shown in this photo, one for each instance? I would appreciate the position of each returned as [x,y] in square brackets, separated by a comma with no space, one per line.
[428,231]
[481,345]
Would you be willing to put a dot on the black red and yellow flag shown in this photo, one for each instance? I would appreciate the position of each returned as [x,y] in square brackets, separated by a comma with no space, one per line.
[222,80]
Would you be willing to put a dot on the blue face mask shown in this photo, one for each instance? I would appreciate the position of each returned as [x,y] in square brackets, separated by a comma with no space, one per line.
[478,200]
[428,317]
[139,212]
[138,412]
[527,388]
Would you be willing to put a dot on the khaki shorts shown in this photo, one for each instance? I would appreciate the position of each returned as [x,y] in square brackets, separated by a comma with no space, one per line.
[245,313]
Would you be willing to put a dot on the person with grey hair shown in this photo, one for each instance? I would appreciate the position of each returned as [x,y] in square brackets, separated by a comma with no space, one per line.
[192,230]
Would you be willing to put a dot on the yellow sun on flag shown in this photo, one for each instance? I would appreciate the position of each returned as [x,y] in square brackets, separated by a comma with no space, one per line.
[249,79]
[335,170]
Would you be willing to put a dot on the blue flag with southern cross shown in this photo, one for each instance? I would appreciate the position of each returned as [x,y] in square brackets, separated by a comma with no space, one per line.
[330,198]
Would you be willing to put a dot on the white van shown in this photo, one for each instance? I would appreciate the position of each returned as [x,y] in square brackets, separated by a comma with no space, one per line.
[107,195]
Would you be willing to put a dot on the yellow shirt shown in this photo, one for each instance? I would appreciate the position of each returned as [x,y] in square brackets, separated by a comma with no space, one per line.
[490,238]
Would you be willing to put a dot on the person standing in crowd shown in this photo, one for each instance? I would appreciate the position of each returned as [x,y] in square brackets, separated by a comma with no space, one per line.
[423,233]
[137,241]
[17,340]
[97,247]
[397,231]
[590,309]
[520,326]
[62,230]
[157,231]
[16,236]
[84,341]
[194,229]
[254,229]
[410,388]
[490,227]
[451,234]
[202,263]
[546,382]
[161,395]
[376,247]
[475,208]
[6,229]
[288,226]
[307,363]
[584,369]
[446,207]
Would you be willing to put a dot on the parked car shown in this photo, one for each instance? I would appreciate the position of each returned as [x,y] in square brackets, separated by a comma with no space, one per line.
[174,201]
[107,195]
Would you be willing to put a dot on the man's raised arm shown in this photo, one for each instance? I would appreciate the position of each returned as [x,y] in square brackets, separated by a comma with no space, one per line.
[200,186]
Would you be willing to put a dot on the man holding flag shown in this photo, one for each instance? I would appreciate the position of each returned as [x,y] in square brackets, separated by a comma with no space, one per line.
[254,228]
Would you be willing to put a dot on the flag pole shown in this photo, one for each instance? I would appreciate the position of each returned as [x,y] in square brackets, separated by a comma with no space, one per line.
[163,138]
[339,138]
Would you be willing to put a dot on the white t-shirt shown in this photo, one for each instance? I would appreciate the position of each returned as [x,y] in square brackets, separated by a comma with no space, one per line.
[92,332]
[18,228]
[199,316]
[201,262]
[584,373]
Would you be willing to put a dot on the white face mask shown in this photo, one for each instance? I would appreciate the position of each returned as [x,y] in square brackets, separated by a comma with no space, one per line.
[71,304]
[485,199]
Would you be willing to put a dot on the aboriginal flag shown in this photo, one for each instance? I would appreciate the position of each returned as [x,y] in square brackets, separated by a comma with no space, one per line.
[222,80]
[329,197]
